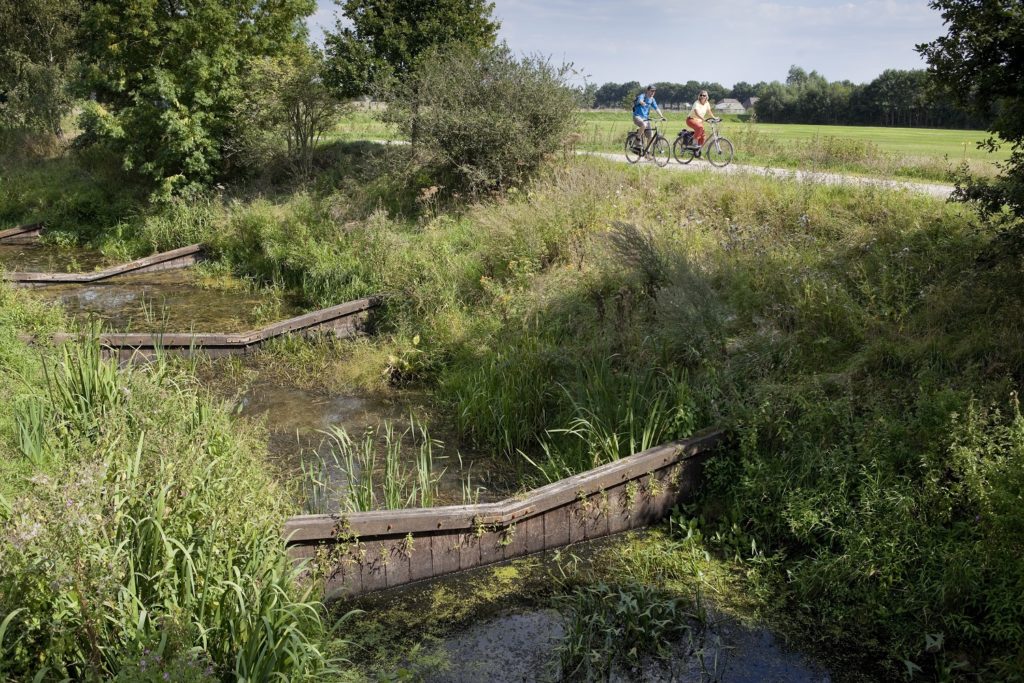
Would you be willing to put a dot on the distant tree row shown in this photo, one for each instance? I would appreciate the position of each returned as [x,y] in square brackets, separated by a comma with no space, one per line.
[908,98]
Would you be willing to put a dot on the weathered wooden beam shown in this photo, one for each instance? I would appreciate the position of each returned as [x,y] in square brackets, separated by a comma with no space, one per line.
[22,234]
[341,321]
[627,494]
[168,260]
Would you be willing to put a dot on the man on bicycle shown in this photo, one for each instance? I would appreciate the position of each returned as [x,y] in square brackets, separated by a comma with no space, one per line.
[642,106]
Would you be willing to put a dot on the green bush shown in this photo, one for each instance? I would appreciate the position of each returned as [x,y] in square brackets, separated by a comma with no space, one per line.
[483,120]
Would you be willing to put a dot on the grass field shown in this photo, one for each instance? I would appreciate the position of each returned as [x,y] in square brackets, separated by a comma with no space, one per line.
[606,130]
[917,153]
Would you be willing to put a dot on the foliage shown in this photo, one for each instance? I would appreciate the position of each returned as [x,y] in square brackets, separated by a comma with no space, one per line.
[37,59]
[894,98]
[611,628]
[169,77]
[981,61]
[369,487]
[483,120]
[387,38]
[285,102]
[143,540]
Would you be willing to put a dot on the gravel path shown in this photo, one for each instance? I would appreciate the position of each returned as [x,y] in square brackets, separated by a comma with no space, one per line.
[699,166]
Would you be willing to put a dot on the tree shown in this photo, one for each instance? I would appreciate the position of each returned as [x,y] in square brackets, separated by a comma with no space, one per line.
[484,117]
[387,37]
[742,90]
[37,58]
[286,109]
[167,77]
[980,61]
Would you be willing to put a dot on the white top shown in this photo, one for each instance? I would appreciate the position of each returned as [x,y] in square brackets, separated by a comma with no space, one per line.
[699,110]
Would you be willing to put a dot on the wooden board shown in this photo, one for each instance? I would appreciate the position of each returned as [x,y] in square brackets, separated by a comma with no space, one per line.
[400,546]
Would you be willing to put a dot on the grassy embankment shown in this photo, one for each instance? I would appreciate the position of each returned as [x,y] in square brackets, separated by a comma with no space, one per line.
[862,345]
[141,526]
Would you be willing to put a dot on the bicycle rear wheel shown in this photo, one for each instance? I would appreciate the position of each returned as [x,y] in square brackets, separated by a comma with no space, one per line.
[660,151]
[632,148]
[719,152]
[682,152]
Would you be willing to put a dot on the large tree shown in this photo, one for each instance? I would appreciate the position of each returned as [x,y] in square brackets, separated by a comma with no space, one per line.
[387,37]
[167,76]
[37,57]
[981,63]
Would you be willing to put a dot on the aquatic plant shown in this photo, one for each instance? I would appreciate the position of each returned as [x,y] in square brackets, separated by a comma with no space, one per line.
[394,485]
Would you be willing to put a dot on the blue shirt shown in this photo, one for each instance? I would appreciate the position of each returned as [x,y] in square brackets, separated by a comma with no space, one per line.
[642,106]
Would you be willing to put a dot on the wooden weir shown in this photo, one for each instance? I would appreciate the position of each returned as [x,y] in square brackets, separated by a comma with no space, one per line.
[22,234]
[344,320]
[367,551]
[168,260]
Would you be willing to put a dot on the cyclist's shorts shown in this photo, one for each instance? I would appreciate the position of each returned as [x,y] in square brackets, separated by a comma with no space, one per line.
[641,122]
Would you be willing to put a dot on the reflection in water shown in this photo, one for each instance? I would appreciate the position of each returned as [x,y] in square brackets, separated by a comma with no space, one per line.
[299,421]
[522,647]
[46,258]
[169,301]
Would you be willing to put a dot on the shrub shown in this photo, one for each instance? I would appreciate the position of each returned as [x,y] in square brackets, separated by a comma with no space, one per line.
[482,120]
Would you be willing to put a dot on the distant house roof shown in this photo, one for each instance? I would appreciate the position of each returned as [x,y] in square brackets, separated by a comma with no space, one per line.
[750,102]
[729,106]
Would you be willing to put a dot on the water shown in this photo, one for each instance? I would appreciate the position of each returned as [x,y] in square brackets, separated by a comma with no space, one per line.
[499,624]
[46,258]
[169,301]
[522,646]
[298,418]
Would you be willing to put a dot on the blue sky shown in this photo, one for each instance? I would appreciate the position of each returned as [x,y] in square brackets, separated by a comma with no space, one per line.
[725,41]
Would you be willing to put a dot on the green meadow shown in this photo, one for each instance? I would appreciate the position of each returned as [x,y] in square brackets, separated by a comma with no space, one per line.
[910,153]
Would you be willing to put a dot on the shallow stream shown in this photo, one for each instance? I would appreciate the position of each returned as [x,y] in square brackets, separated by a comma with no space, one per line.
[298,420]
[46,258]
[169,301]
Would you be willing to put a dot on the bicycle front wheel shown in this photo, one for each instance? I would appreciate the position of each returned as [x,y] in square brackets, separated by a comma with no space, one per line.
[682,152]
[660,151]
[632,148]
[719,152]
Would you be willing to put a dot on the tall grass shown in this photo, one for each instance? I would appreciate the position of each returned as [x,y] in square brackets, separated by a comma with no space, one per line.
[614,413]
[378,469]
[149,531]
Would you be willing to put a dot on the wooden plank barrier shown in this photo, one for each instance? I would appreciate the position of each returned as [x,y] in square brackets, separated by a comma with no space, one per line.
[342,321]
[362,552]
[167,260]
[22,234]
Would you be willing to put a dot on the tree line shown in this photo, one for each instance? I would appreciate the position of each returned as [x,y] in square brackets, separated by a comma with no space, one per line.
[897,97]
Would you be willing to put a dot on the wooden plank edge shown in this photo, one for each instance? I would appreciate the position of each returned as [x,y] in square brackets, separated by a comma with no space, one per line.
[313,528]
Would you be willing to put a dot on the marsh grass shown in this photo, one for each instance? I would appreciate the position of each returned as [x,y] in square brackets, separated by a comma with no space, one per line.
[379,471]
[614,629]
[150,530]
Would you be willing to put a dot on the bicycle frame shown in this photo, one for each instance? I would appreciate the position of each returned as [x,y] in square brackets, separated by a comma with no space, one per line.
[645,148]
[714,137]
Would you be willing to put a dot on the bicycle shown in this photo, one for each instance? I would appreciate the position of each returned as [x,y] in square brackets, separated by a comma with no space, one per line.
[657,146]
[716,149]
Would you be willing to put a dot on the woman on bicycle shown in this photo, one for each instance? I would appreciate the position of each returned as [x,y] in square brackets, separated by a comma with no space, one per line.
[701,111]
